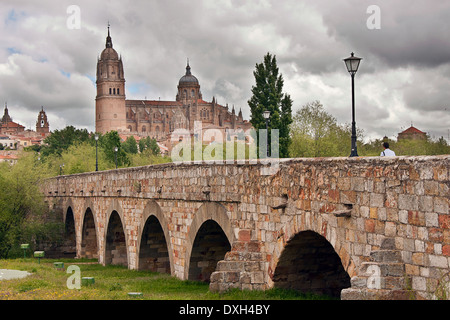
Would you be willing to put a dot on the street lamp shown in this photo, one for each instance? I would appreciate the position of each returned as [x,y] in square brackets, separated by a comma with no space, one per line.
[61,166]
[352,64]
[266,115]
[115,155]
[96,152]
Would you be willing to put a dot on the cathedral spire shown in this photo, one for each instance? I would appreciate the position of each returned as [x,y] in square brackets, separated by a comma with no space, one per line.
[108,39]
[188,68]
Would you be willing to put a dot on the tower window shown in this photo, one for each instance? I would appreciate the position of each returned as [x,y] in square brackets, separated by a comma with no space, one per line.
[114,91]
[118,91]
[110,91]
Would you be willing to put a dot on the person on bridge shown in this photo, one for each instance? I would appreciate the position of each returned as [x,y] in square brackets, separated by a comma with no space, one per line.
[387,152]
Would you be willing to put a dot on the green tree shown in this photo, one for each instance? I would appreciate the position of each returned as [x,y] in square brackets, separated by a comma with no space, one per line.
[267,95]
[130,145]
[153,146]
[61,140]
[316,133]
[144,144]
[108,142]
[24,216]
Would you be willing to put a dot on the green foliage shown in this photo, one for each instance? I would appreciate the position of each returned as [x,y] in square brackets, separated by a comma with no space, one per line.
[267,95]
[108,142]
[406,147]
[130,145]
[149,143]
[316,133]
[22,207]
[61,140]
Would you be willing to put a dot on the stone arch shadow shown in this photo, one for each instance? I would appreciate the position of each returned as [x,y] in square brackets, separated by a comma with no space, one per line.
[115,249]
[68,248]
[89,234]
[161,257]
[210,218]
[312,260]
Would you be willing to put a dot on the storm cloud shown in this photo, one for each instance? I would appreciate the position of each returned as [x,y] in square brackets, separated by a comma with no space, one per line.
[404,76]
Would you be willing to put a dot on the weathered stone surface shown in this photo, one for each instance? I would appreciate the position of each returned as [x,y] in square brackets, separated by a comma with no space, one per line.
[230,223]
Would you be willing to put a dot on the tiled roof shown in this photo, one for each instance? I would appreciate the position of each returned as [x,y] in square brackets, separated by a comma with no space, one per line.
[412,130]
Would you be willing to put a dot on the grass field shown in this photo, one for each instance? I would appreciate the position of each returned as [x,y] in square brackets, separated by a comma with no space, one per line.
[115,282]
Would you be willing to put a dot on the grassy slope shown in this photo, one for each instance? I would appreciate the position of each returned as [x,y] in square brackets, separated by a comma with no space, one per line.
[114,283]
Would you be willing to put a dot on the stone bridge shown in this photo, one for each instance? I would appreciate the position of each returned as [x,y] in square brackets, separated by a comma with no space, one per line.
[355,228]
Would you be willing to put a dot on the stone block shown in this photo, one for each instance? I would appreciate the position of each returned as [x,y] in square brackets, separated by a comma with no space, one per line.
[408,202]
[376,200]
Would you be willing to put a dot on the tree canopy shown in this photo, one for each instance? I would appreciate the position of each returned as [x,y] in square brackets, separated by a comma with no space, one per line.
[267,95]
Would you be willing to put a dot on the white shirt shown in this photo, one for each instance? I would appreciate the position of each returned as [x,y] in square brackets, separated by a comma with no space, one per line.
[387,153]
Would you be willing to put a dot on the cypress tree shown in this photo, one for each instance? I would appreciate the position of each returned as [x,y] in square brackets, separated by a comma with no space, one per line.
[267,95]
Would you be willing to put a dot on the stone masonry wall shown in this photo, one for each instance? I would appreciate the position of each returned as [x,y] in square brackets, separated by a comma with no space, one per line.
[386,218]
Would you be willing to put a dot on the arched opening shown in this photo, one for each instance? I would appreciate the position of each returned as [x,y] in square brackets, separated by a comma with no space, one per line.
[116,248]
[153,252]
[210,246]
[89,237]
[69,247]
[309,264]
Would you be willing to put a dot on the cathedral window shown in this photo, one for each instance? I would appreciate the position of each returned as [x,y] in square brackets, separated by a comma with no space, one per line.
[144,128]
[110,91]
[114,91]
[118,91]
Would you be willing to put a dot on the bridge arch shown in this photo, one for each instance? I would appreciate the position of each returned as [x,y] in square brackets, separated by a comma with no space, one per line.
[312,258]
[116,237]
[69,247]
[210,237]
[153,250]
[89,235]
[309,264]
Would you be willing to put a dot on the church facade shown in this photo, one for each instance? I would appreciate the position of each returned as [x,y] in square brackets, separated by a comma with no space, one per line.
[155,118]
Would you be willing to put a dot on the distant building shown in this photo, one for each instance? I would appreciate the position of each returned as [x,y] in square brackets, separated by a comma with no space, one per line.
[14,136]
[412,133]
[9,156]
[155,118]
[42,125]
[9,127]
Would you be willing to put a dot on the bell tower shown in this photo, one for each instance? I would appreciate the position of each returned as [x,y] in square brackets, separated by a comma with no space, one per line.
[110,112]
[42,125]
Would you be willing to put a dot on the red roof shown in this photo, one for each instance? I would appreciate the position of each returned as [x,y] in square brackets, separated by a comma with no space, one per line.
[413,130]
[11,124]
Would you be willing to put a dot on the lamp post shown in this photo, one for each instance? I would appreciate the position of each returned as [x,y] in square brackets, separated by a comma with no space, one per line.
[61,166]
[115,155]
[352,64]
[96,152]
[266,115]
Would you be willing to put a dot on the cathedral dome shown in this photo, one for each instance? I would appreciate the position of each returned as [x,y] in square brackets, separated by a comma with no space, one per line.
[188,78]
[109,54]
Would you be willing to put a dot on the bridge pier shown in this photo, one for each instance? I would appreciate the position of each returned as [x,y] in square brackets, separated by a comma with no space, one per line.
[382,278]
[244,268]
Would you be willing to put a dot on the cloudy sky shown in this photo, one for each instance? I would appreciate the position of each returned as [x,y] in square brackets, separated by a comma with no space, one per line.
[48,56]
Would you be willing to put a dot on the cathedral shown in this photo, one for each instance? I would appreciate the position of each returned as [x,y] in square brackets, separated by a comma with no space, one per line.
[155,118]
